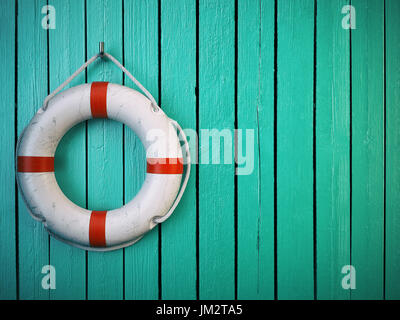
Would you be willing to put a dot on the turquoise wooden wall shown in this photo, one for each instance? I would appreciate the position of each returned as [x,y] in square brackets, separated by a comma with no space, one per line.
[324,103]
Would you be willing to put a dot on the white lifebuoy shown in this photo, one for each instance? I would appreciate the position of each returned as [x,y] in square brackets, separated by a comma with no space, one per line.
[99,230]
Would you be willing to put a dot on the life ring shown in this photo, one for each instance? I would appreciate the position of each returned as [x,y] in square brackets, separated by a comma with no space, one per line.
[99,230]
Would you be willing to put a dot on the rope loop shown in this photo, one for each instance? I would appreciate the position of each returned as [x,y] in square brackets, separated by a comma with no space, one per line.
[154,104]
[160,219]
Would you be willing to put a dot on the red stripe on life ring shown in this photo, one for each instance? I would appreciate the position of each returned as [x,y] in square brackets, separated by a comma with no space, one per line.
[97,229]
[165,165]
[98,99]
[35,164]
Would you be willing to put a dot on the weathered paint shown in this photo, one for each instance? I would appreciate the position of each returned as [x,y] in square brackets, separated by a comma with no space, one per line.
[295,149]
[178,99]
[33,240]
[332,149]
[367,231]
[256,111]
[392,240]
[8,271]
[70,168]
[216,111]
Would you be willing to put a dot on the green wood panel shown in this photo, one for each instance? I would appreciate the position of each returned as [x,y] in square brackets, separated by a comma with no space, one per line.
[105,147]
[67,44]
[256,112]
[332,149]
[141,58]
[392,149]
[116,159]
[32,90]
[295,149]
[216,181]
[8,284]
[367,149]
[178,83]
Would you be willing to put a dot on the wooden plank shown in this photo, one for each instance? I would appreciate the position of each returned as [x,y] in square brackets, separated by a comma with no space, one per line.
[392,150]
[105,147]
[32,90]
[66,54]
[178,82]
[256,112]
[141,58]
[332,149]
[367,149]
[8,277]
[216,181]
[295,150]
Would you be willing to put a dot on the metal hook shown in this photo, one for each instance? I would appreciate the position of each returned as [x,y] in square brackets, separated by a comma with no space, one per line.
[101,48]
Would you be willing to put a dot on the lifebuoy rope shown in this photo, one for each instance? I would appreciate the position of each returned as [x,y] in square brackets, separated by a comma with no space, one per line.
[89,62]
[185,180]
